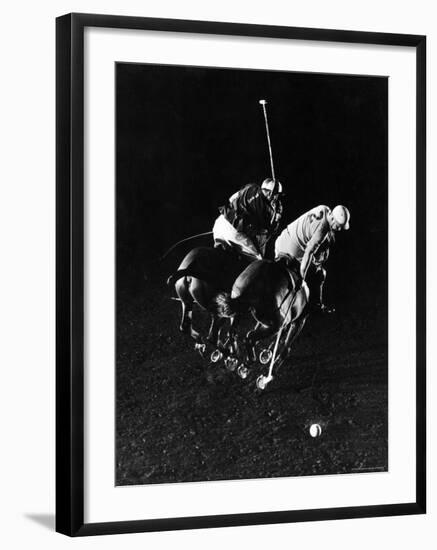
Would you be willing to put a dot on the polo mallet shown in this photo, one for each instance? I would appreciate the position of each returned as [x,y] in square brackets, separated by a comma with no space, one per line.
[263,103]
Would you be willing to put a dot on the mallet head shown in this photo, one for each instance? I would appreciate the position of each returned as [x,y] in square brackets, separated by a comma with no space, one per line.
[262,102]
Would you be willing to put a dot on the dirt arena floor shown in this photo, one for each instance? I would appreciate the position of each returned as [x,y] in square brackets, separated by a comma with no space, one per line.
[180,418]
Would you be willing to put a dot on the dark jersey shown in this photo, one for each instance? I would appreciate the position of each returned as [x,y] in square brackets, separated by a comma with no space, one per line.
[249,210]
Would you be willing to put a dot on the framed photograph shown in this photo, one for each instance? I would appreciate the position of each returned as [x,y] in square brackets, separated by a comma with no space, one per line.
[240,274]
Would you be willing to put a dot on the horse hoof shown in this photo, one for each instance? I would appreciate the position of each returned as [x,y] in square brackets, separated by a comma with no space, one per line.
[265,356]
[242,372]
[231,363]
[262,381]
[201,348]
[216,356]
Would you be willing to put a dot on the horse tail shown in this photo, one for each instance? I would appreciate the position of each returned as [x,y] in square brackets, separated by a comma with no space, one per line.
[227,306]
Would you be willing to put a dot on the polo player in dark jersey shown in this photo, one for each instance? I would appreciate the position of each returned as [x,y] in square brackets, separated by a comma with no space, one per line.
[250,217]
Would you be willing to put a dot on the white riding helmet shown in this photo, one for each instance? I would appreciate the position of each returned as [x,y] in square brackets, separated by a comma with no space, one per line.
[269,184]
[341,216]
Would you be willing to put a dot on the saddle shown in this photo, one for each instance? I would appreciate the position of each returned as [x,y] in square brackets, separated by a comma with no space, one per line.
[233,249]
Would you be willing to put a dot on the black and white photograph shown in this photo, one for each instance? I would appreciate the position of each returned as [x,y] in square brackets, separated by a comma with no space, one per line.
[218,306]
[251,274]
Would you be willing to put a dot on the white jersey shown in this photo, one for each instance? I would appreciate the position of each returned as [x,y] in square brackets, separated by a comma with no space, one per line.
[309,231]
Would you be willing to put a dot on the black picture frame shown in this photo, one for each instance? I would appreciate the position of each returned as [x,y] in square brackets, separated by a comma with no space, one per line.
[70,273]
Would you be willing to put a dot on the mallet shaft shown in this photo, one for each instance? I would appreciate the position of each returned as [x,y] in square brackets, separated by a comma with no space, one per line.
[263,103]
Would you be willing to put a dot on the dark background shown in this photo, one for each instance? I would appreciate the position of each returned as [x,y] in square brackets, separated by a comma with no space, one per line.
[189,137]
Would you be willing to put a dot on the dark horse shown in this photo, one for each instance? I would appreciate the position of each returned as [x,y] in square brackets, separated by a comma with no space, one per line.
[277,298]
[204,273]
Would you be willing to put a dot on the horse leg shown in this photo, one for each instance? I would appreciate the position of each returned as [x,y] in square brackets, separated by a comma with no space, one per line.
[293,332]
[213,337]
[260,332]
[182,288]
[291,337]
[214,329]
[278,358]
[223,335]
[232,333]
[250,342]
[227,342]
[285,331]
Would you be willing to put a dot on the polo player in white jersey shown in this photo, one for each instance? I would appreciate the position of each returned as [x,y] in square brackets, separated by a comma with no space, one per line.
[304,244]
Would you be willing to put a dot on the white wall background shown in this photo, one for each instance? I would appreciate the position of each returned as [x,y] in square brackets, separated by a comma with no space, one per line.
[27,130]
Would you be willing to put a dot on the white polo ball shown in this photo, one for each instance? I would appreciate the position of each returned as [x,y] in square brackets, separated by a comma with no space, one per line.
[315,430]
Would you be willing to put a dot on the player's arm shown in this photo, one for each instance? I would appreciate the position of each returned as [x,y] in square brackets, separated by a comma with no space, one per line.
[238,193]
[313,245]
[266,213]
[258,209]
